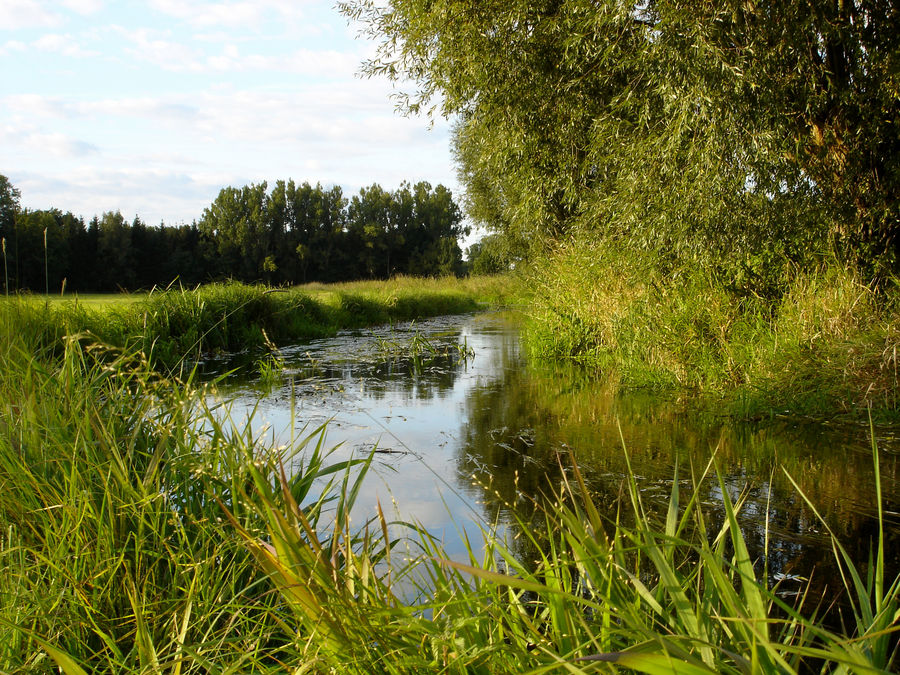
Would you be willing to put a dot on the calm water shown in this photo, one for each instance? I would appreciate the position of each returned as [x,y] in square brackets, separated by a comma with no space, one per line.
[460,439]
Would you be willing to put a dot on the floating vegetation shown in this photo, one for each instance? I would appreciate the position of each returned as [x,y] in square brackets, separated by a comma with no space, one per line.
[422,351]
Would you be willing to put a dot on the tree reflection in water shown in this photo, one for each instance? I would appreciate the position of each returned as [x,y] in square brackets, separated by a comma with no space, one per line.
[525,429]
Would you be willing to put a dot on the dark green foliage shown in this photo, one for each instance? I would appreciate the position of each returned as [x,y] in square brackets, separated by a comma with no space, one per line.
[491,255]
[707,132]
[300,233]
[108,254]
[291,235]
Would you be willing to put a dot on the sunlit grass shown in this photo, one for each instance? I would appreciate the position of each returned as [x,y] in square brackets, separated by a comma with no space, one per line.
[92,300]
[827,345]
[143,531]
[169,326]
[608,590]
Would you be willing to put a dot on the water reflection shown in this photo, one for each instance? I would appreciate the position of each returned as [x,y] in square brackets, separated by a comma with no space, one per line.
[468,438]
[525,430]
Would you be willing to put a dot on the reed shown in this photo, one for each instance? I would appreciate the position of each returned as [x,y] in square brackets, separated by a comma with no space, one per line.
[115,555]
[174,326]
[670,596]
[824,342]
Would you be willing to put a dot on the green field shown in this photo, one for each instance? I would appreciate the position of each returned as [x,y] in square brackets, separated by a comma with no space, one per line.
[92,300]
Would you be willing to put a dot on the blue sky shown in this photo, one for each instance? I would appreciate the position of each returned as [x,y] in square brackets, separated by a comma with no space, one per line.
[150,108]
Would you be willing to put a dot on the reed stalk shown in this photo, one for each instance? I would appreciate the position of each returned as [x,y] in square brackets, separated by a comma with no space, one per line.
[46,267]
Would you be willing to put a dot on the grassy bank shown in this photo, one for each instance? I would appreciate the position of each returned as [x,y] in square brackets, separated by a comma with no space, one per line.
[824,345]
[169,325]
[144,532]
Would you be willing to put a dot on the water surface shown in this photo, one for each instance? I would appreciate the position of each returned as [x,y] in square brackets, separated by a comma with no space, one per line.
[462,439]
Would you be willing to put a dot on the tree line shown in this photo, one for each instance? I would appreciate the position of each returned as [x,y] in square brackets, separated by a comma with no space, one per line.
[289,235]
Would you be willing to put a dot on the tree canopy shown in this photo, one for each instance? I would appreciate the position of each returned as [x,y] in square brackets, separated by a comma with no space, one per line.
[708,130]
[298,233]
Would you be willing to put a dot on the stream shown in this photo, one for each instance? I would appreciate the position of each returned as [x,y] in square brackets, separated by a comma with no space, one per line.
[464,429]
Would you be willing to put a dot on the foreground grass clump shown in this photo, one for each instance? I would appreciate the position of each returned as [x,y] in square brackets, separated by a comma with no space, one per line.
[115,552]
[658,596]
[825,344]
[169,325]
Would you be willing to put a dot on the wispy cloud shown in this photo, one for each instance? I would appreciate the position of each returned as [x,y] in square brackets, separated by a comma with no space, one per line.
[161,50]
[83,7]
[65,44]
[12,46]
[45,144]
[225,54]
[24,14]
[227,14]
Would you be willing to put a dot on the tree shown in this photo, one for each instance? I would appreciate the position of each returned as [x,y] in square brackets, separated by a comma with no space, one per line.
[702,130]
[328,236]
[115,254]
[9,208]
[237,224]
[369,216]
[434,236]
[489,255]
[300,233]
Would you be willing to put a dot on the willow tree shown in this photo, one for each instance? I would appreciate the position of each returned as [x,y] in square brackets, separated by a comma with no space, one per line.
[713,130]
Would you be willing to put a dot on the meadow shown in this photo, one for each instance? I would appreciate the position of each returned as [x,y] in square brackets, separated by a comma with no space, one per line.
[143,531]
[174,326]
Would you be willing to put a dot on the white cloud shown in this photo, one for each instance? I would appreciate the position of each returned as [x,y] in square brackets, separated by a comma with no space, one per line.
[233,14]
[83,7]
[31,106]
[322,64]
[161,49]
[12,46]
[44,144]
[22,14]
[156,48]
[62,44]
[230,14]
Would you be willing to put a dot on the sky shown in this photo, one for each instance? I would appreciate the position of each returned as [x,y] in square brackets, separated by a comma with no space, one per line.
[150,108]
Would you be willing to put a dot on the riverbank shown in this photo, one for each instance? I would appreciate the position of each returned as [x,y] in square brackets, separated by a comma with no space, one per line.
[141,531]
[824,344]
[173,325]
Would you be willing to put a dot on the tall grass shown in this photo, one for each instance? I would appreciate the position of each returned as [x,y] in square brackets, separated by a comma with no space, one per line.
[170,325]
[142,531]
[670,596]
[825,345]
[114,552]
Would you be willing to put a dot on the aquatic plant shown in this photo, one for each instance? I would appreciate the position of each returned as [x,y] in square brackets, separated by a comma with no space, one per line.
[271,371]
[422,351]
